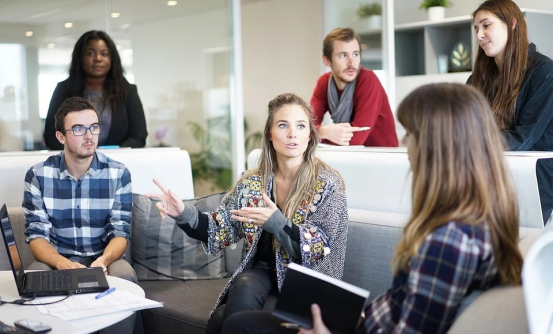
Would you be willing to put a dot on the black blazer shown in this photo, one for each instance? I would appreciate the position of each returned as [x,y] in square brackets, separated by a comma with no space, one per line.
[128,123]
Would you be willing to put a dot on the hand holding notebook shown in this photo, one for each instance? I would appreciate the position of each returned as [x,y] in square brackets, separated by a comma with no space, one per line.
[340,303]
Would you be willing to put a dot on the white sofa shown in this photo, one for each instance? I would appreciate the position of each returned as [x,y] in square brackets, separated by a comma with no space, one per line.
[170,165]
[378,179]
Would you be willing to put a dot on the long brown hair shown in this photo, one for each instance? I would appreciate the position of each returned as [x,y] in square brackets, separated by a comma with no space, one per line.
[459,172]
[501,86]
[307,176]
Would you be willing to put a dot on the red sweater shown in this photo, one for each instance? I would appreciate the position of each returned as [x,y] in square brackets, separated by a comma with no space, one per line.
[370,108]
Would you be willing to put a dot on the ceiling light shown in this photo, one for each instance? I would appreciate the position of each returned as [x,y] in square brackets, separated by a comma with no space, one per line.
[115,15]
[125,26]
[171,3]
[51,45]
[68,25]
[119,47]
[29,33]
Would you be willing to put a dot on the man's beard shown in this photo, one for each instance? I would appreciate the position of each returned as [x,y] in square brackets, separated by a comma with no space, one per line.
[78,155]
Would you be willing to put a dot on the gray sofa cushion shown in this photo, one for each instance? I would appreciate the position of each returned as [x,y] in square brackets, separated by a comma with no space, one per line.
[162,251]
[372,239]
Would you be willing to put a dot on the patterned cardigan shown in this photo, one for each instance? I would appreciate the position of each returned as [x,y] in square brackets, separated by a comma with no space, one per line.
[322,220]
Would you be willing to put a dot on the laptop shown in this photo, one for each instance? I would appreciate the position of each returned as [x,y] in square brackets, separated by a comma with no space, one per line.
[51,282]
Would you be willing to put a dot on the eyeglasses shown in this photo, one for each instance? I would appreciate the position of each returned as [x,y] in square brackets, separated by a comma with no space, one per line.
[81,130]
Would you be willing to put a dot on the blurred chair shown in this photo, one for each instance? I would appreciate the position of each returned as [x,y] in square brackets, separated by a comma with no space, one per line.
[537,280]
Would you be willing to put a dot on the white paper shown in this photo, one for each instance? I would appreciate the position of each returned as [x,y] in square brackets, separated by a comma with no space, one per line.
[84,306]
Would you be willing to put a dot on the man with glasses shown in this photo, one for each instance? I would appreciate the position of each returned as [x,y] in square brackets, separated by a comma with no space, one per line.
[77,203]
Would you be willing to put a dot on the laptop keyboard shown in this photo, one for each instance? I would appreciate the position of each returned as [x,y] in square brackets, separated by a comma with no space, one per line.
[54,280]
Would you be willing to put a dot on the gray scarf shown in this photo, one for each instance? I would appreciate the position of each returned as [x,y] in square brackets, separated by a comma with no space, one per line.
[341,107]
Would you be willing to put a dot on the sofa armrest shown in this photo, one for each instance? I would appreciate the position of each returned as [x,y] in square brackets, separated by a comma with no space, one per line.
[499,310]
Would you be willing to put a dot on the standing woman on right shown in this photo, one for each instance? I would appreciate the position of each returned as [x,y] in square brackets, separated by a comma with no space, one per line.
[518,82]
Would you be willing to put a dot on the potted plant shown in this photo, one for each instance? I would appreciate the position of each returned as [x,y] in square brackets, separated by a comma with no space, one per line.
[213,163]
[435,8]
[372,13]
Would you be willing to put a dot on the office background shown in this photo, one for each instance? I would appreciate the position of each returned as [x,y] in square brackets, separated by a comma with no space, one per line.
[182,57]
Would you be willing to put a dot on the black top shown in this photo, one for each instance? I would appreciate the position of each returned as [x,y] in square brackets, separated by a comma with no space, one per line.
[533,130]
[534,122]
[128,123]
[265,251]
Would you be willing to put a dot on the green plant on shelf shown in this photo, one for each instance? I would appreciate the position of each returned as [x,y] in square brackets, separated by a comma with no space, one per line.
[214,160]
[435,3]
[366,10]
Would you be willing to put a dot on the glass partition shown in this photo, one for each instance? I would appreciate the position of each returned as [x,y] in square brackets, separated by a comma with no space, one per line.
[178,53]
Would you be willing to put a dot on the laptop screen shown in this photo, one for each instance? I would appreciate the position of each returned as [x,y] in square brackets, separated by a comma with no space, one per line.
[11,246]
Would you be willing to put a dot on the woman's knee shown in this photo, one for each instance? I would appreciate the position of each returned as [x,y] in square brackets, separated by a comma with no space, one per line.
[251,279]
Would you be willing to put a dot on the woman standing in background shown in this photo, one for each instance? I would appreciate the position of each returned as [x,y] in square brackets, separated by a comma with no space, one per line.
[96,74]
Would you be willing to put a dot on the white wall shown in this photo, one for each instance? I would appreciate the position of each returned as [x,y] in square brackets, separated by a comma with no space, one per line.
[281,52]
[343,13]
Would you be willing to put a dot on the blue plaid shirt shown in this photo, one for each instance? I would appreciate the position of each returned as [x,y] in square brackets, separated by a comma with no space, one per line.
[78,217]
[455,260]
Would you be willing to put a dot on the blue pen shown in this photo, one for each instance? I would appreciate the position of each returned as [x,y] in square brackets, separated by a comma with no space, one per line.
[105,293]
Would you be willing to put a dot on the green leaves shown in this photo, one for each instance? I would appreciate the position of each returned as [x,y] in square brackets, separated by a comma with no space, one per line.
[369,9]
[460,56]
[435,3]
[214,160]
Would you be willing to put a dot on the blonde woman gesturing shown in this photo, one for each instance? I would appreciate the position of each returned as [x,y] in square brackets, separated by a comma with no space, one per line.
[290,208]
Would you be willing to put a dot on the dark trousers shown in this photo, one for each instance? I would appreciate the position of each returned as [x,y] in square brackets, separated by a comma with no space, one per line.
[249,292]
[249,322]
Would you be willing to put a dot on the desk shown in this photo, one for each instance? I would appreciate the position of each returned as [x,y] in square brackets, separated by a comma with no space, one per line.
[9,313]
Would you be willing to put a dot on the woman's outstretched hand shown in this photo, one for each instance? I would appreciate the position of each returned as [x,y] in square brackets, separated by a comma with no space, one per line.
[168,203]
[256,216]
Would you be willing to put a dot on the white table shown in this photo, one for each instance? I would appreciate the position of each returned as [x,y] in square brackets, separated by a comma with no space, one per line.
[10,313]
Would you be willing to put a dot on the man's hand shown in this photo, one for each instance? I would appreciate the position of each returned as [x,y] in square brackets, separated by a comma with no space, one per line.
[66,264]
[339,134]
[318,325]
[99,262]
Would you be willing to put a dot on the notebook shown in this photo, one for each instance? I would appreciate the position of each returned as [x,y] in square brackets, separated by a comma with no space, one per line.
[341,303]
[52,282]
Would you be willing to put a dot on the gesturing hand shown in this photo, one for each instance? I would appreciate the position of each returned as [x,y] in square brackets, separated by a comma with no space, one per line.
[318,324]
[256,216]
[168,203]
[339,134]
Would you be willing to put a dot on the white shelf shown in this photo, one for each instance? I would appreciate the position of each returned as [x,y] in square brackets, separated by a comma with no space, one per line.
[448,21]
[423,24]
